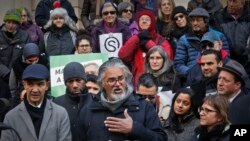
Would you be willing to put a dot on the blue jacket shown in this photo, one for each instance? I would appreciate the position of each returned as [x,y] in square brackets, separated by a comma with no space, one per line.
[188,51]
[146,123]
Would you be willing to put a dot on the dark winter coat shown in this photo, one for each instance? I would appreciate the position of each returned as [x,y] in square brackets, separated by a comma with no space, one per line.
[218,133]
[188,51]
[58,41]
[237,32]
[146,123]
[73,106]
[239,112]
[10,49]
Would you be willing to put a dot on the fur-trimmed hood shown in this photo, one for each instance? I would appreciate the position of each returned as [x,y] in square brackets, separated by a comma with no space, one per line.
[63,13]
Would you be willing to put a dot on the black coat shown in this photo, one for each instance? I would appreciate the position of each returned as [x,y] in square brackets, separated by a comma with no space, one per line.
[218,133]
[237,32]
[146,123]
[239,112]
[10,49]
[73,106]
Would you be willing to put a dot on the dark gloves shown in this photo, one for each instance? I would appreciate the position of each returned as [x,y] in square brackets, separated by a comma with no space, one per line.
[144,36]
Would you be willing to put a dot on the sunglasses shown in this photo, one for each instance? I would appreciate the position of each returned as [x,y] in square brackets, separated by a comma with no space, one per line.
[150,97]
[127,10]
[207,45]
[108,12]
[177,17]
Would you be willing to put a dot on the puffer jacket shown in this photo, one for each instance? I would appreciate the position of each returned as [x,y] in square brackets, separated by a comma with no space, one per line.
[188,51]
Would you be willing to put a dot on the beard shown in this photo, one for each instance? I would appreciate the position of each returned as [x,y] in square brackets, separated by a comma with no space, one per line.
[117,97]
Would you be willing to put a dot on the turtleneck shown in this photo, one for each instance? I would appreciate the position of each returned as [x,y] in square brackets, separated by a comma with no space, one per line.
[36,113]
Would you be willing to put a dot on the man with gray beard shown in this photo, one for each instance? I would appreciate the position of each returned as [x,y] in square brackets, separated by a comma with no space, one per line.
[116,113]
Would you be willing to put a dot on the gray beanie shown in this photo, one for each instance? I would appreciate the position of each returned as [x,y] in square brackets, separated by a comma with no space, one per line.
[199,12]
[74,70]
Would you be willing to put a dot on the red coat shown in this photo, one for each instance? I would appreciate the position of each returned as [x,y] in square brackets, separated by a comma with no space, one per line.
[131,52]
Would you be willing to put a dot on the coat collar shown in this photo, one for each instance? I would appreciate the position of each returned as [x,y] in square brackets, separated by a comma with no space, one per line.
[28,122]
[132,104]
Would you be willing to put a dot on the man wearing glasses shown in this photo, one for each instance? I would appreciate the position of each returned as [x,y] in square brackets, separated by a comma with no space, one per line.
[116,113]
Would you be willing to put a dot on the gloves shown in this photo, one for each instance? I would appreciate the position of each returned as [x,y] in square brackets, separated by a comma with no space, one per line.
[144,36]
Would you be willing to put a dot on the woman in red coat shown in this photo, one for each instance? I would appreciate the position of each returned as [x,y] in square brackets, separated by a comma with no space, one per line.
[135,48]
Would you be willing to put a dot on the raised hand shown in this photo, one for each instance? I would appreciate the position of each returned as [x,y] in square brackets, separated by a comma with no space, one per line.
[121,125]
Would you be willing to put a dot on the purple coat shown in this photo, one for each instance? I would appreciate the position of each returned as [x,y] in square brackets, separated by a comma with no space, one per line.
[100,29]
[34,31]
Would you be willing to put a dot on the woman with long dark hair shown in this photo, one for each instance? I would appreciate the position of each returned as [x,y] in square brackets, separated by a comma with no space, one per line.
[182,121]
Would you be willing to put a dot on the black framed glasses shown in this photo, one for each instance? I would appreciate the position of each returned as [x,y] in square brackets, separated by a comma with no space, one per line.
[127,10]
[177,17]
[108,12]
[113,81]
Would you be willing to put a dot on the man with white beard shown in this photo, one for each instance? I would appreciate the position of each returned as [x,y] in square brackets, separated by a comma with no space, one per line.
[116,113]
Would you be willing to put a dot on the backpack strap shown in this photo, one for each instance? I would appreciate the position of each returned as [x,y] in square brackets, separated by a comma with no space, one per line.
[73,36]
[46,35]
[161,40]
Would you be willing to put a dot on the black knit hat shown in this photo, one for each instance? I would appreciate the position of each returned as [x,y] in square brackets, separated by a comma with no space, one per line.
[74,70]
[179,9]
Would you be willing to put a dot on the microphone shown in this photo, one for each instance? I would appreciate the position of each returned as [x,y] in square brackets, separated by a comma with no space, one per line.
[7,127]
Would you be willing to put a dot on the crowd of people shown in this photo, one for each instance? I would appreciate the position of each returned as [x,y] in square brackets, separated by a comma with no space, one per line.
[179,74]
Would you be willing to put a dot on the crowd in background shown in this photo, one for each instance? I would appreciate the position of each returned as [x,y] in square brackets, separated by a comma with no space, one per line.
[198,57]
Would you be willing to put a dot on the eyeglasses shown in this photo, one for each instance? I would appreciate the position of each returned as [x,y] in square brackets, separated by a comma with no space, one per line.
[127,10]
[112,81]
[177,17]
[23,15]
[205,110]
[145,19]
[108,12]
[150,97]
[207,45]
[85,46]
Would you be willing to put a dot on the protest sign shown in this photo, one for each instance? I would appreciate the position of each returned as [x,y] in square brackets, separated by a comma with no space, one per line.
[57,64]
